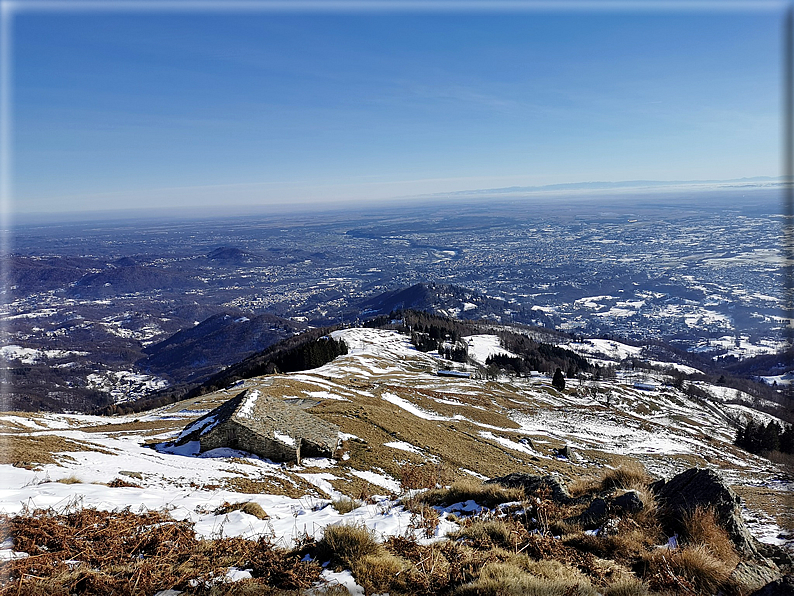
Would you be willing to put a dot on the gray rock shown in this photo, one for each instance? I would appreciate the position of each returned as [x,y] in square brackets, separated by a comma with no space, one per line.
[698,487]
[783,586]
[595,514]
[565,452]
[629,502]
[752,576]
[528,442]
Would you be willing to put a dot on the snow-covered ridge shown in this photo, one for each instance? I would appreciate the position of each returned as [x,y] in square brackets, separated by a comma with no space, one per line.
[33,355]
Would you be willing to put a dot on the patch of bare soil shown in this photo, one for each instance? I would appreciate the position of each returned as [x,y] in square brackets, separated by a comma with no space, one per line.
[295,487]
[148,427]
[777,504]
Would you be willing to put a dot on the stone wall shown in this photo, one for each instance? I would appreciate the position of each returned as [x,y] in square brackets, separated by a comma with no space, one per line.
[237,436]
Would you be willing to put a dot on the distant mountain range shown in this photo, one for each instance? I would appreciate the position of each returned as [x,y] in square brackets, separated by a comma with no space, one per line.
[613,185]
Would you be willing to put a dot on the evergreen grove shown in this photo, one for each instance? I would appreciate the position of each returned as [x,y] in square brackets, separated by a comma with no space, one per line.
[757,438]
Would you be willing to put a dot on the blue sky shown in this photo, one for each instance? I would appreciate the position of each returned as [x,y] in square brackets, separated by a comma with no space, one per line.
[117,110]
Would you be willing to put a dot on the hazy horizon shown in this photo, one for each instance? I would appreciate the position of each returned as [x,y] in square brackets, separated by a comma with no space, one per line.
[726,194]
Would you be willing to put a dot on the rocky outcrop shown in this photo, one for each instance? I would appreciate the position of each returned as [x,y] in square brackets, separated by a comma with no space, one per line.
[752,576]
[595,514]
[565,452]
[762,564]
[704,488]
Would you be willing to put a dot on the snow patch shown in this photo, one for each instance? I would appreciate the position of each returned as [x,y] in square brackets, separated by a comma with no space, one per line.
[247,408]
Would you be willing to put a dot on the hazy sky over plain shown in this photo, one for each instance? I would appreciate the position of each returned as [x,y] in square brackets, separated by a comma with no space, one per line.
[134,109]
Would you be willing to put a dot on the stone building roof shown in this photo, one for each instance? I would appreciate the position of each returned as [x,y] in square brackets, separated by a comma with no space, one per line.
[267,416]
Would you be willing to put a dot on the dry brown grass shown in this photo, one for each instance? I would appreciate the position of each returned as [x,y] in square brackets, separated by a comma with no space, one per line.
[784,459]
[508,579]
[629,475]
[630,543]
[425,475]
[96,553]
[487,495]
[491,533]
[688,569]
[456,443]
[382,573]
[344,544]
[584,485]
[439,567]
[147,428]
[345,504]
[627,587]
[69,480]
[25,451]
[648,516]
[700,527]
[549,569]
[249,507]
[295,487]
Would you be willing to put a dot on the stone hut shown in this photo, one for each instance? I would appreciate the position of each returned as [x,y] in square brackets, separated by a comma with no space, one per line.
[265,426]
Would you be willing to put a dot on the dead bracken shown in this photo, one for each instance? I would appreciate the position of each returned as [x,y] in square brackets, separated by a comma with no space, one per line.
[93,552]
[530,540]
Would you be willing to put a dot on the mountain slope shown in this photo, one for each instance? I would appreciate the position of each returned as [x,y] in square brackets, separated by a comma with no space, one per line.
[402,426]
[395,411]
[194,354]
[449,301]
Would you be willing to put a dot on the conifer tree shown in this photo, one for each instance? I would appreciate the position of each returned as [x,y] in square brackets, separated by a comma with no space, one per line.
[558,381]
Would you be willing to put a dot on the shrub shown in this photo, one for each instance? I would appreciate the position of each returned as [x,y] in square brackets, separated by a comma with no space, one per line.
[345,504]
[438,566]
[126,554]
[120,483]
[424,518]
[346,543]
[630,475]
